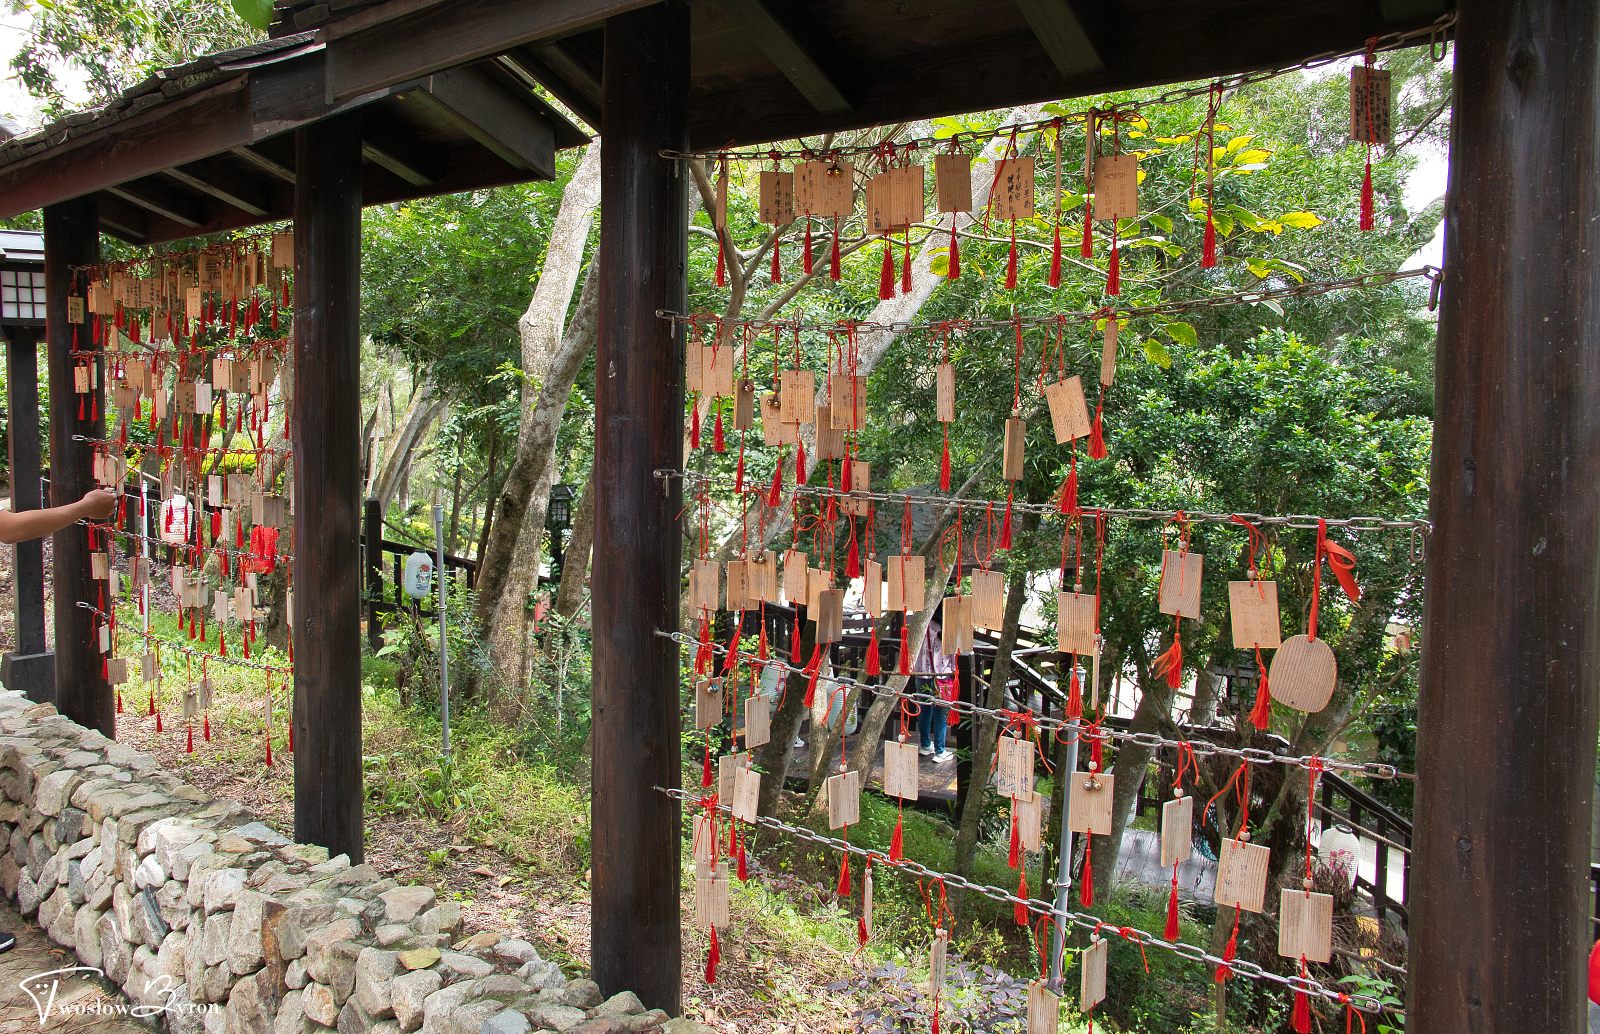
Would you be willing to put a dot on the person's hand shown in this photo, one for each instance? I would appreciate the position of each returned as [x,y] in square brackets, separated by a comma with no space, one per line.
[98,504]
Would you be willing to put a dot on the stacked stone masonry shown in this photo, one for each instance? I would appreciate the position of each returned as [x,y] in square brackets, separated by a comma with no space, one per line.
[187,902]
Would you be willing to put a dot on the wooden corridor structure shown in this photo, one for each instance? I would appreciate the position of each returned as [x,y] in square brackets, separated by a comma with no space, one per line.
[357,102]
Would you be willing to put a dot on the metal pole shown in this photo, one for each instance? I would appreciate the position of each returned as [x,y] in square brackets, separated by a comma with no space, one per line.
[1058,935]
[444,643]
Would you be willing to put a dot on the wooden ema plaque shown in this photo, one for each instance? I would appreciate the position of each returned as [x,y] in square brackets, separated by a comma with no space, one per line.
[860,481]
[1075,623]
[944,379]
[716,367]
[817,580]
[900,770]
[283,250]
[955,630]
[703,585]
[847,401]
[829,439]
[116,670]
[703,845]
[988,599]
[1092,978]
[1013,770]
[1116,186]
[844,799]
[777,198]
[707,703]
[797,393]
[744,405]
[1011,457]
[738,586]
[1303,673]
[763,577]
[1013,189]
[757,721]
[1108,354]
[824,188]
[938,953]
[872,588]
[728,766]
[894,200]
[1253,609]
[1305,925]
[1089,808]
[1371,98]
[1044,1009]
[99,565]
[830,615]
[906,579]
[1069,413]
[746,793]
[1241,875]
[773,429]
[711,897]
[1028,813]
[796,575]
[952,182]
[1177,831]
[1180,583]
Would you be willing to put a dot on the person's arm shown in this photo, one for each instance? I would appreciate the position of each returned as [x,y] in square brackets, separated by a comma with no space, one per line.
[15,527]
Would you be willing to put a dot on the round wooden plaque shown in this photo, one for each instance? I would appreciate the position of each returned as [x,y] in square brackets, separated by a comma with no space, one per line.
[1303,673]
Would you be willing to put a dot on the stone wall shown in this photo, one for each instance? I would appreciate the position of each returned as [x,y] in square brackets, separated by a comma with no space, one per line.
[186,902]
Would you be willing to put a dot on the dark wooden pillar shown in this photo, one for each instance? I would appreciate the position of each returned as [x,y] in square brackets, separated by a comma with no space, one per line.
[327,486]
[1511,647]
[638,428]
[72,238]
[29,667]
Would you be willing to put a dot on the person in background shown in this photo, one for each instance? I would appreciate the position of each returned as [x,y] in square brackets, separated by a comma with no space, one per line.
[16,527]
[933,723]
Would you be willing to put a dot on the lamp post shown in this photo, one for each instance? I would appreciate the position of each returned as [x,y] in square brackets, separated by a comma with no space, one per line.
[558,521]
[28,667]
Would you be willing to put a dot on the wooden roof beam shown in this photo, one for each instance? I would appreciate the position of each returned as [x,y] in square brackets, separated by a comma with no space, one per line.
[265,164]
[559,71]
[1062,33]
[800,48]
[197,178]
[502,123]
[387,160]
[181,208]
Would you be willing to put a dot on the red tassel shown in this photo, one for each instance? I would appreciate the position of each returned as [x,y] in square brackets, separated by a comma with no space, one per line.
[1097,437]
[1019,911]
[886,275]
[954,272]
[1055,258]
[800,463]
[206,727]
[843,888]
[119,701]
[1086,249]
[944,462]
[794,639]
[152,712]
[731,660]
[813,667]
[1170,663]
[713,957]
[722,264]
[718,442]
[1074,693]
[158,722]
[833,260]
[777,264]
[738,473]
[905,647]
[269,750]
[705,769]
[935,1014]
[1086,885]
[761,642]
[1114,270]
[1301,1020]
[1005,524]
[1069,488]
[1261,714]
[1011,260]
[1171,932]
[1230,951]
[744,867]
[806,261]
[844,475]
[775,495]
[872,665]
[1015,854]
[694,427]
[905,266]
[189,749]
[852,561]
[1367,220]
[702,656]
[1208,254]
[861,930]
[896,841]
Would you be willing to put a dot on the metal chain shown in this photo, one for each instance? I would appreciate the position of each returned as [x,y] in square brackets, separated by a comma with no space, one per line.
[1085,920]
[1433,33]
[1293,520]
[1255,296]
[166,645]
[1200,748]
[181,546]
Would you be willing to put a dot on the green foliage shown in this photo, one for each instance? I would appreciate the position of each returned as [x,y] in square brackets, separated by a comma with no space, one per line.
[255,13]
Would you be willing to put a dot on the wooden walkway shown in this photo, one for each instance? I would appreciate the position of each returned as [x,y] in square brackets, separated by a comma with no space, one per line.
[82,1004]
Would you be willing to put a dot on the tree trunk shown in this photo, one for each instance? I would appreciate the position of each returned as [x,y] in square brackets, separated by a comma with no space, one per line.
[420,415]
[983,745]
[1208,689]
[550,363]
[575,572]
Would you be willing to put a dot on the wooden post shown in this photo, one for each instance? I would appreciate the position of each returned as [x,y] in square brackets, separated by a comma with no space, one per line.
[1511,646]
[327,486]
[72,238]
[29,668]
[637,836]
[373,519]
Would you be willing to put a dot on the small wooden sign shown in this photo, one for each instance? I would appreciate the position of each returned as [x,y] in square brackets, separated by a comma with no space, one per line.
[707,703]
[1013,189]
[777,198]
[703,845]
[1241,875]
[1013,769]
[829,440]
[1253,609]
[1305,925]
[1092,978]
[796,577]
[1180,583]
[746,794]
[1011,458]
[884,206]
[203,689]
[762,570]
[1028,813]
[872,588]
[847,401]
[938,955]
[988,599]
[716,362]
[1089,807]
[907,577]
[817,579]
[757,721]
[728,766]
[830,615]
[1044,1009]
[1116,187]
[1303,673]
[711,898]
[860,481]
[952,182]
[703,585]
[75,309]
[955,628]
[149,667]
[1069,413]
[1075,623]
[797,390]
[116,670]
[1177,830]
[744,405]
[773,429]
[1108,354]
[99,565]
[844,799]
[738,586]
[191,704]
[944,378]
[283,250]
[824,188]
[1371,99]
[900,770]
